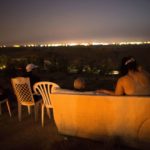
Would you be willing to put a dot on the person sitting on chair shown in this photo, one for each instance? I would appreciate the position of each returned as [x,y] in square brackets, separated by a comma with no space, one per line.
[3,94]
[30,68]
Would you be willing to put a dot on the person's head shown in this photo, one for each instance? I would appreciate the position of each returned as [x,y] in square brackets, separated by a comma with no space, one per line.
[20,71]
[31,67]
[128,64]
[79,83]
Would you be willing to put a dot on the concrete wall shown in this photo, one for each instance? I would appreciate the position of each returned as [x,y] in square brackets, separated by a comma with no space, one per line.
[103,117]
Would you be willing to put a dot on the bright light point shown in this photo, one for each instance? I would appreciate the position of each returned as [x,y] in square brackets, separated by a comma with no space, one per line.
[72,44]
[148,42]
[84,44]
[31,45]
[2,46]
[41,45]
[56,45]
[105,44]
[16,46]
[114,72]
[2,67]
[95,43]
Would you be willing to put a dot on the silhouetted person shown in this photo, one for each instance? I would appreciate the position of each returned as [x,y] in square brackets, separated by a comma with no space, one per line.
[30,68]
[3,93]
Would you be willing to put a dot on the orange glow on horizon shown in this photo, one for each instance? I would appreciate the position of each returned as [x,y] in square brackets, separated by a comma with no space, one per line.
[78,44]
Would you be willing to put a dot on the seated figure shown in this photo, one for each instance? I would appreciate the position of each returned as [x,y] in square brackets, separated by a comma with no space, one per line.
[3,94]
[79,84]
[134,80]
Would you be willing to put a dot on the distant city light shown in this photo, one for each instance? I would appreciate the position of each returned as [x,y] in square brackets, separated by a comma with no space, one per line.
[56,45]
[31,45]
[101,44]
[2,67]
[84,44]
[73,44]
[130,43]
[95,43]
[114,72]
[16,46]
[2,46]
[79,44]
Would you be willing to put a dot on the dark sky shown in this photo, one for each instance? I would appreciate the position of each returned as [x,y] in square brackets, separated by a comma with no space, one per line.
[41,21]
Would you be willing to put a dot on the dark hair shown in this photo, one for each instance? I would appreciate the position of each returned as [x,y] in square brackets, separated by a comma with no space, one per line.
[128,63]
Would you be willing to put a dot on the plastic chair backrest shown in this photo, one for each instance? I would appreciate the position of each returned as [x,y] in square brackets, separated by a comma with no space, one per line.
[44,89]
[22,89]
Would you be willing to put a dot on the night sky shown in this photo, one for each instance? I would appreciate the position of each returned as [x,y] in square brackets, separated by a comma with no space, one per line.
[49,21]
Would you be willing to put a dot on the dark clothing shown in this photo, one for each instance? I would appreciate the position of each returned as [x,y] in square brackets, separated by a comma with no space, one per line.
[2,97]
[80,90]
[33,78]
[3,94]
[37,97]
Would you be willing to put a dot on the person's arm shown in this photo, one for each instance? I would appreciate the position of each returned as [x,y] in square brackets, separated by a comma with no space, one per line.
[119,90]
[108,92]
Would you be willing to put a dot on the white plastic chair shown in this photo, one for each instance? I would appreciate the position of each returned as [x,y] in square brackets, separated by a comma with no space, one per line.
[44,89]
[24,95]
[8,106]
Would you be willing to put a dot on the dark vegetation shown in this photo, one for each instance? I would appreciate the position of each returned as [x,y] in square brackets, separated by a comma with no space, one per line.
[63,64]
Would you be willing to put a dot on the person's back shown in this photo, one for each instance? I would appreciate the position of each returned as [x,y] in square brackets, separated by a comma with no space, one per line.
[3,93]
[29,73]
[134,83]
[33,78]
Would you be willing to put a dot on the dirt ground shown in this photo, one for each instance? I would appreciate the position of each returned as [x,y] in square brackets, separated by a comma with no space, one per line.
[29,134]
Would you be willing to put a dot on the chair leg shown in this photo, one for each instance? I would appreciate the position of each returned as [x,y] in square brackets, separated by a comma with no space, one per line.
[48,112]
[0,109]
[29,110]
[42,116]
[19,111]
[36,107]
[8,106]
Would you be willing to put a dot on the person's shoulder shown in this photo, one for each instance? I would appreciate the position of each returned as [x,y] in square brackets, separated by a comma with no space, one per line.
[125,77]
[26,74]
[145,73]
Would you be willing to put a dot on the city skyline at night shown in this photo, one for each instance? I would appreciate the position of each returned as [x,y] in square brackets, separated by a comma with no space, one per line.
[78,44]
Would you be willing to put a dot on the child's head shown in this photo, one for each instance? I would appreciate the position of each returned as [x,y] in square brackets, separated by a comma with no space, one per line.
[79,83]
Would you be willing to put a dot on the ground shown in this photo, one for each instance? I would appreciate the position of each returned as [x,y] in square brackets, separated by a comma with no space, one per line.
[29,134]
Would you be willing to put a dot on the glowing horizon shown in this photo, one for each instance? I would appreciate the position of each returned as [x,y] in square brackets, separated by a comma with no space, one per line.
[77,44]
[62,22]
